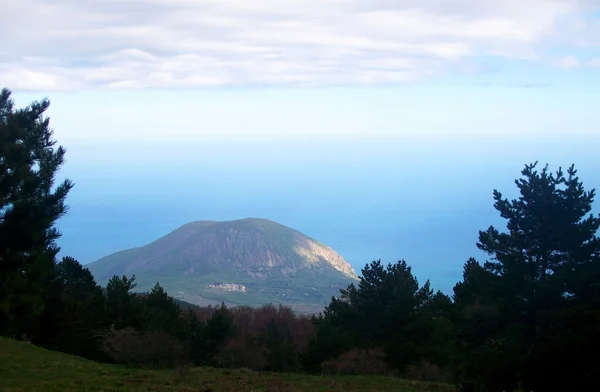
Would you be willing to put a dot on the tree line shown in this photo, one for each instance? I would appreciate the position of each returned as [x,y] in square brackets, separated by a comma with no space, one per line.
[526,319]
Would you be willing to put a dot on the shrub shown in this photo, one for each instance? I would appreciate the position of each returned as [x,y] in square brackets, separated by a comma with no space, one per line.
[241,352]
[265,338]
[358,361]
[155,348]
[425,371]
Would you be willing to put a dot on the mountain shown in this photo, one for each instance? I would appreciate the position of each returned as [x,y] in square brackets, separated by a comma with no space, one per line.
[241,262]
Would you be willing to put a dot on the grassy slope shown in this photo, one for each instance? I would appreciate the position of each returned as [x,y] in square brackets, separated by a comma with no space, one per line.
[296,291]
[24,367]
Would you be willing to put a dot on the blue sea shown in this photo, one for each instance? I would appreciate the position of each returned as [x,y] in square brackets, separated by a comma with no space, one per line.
[420,201]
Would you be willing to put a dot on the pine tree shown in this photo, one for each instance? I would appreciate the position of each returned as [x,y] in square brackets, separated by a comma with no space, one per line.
[386,310]
[30,204]
[124,309]
[543,274]
[74,312]
[163,313]
[279,348]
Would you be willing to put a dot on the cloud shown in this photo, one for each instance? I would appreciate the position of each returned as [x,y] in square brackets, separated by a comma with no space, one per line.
[572,62]
[129,44]
[593,62]
[569,62]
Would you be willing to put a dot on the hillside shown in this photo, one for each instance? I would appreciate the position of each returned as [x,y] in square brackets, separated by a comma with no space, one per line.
[24,367]
[248,262]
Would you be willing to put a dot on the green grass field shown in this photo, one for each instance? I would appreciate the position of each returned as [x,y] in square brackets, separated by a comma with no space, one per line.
[26,368]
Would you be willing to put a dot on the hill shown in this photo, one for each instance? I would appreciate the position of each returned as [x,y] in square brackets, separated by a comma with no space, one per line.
[24,367]
[241,262]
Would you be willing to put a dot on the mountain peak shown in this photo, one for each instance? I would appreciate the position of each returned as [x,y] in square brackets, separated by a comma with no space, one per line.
[255,260]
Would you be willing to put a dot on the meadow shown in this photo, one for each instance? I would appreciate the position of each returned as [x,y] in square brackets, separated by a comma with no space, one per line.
[27,368]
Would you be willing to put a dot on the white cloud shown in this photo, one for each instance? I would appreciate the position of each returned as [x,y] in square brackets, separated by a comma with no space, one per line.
[569,62]
[593,63]
[184,43]
[572,62]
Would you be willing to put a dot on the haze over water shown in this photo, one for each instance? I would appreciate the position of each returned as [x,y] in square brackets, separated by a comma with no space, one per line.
[421,196]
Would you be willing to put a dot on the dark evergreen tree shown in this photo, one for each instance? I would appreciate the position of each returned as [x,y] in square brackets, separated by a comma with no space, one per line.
[280,352]
[537,299]
[205,339]
[441,345]
[330,339]
[124,308]
[163,314]
[479,324]
[30,204]
[219,328]
[74,313]
[387,309]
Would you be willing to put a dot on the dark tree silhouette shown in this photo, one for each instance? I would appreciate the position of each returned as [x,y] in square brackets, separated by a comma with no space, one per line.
[124,308]
[535,304]
[163,314]
[30,204]
[74,313]
[386,310]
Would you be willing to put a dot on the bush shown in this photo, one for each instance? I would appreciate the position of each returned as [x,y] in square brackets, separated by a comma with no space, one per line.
[265,338]
[358,361]
[155,348]
[241,352]
[425,371]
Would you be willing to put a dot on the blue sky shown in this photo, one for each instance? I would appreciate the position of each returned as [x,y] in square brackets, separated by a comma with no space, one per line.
[380,128]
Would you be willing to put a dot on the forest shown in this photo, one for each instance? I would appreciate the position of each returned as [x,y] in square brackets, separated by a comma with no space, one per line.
[527,319]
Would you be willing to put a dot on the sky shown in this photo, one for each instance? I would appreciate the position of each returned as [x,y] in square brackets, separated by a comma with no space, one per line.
[378,127]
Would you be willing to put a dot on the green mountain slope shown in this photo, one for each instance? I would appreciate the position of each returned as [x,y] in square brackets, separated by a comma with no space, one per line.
[248,262]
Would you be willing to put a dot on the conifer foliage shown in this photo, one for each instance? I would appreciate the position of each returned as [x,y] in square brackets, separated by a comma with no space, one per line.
[30,205]
[532,313]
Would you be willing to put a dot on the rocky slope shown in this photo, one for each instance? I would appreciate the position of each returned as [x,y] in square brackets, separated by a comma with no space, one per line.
[247,261]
